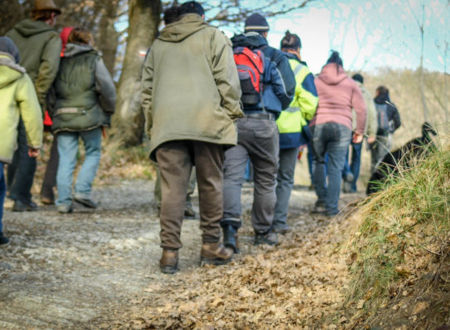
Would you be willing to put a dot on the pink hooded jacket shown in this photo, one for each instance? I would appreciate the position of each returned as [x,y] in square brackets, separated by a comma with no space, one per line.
[338,94]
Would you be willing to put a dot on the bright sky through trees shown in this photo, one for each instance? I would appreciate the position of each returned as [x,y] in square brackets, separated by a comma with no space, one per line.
[368,33]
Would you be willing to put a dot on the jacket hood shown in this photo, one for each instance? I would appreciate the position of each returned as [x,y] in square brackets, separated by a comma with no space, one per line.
[252,40]
[9,70]
[75,49]
[183,28]
[332,75]
[382,99]
[28,27]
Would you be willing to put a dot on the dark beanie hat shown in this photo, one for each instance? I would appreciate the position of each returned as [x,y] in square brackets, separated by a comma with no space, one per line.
[191,7]
[358,77]
[8,46]
[257,23]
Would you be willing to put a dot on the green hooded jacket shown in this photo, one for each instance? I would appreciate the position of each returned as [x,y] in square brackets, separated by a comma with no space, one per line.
[40,47]
[190,85]
[18,99]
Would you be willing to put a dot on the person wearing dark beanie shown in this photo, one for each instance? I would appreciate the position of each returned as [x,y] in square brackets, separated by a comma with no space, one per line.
[358,77]
[256,23]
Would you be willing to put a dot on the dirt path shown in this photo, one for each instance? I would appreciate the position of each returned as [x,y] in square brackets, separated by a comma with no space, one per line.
[89,270]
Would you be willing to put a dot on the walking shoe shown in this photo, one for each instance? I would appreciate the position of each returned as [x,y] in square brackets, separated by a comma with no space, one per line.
[319,208]
[3,239]
[47,200]
[281,228]
[347,187]
[64,208]
[189,212]
[169,261]
[230,238]
[85,202]
[269,238]
[215,254]
[20,206]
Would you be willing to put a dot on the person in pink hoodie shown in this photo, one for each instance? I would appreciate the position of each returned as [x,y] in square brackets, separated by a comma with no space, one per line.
[332,130]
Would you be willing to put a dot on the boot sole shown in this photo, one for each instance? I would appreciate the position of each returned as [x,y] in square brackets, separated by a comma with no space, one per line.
[168,269]
[215,262]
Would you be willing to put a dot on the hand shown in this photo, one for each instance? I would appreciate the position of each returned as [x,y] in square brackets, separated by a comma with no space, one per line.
[357,138]
[371,139]
[33,153]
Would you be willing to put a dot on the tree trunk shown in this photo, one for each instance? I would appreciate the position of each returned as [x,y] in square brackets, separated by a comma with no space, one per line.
[144,17]
[108,37]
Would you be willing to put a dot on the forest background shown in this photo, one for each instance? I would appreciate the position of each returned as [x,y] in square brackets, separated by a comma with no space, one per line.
[400,44]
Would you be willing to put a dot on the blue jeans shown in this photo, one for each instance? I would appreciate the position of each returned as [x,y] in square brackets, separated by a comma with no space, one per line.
[285,182]
[354,165]
[2,194]
[332,139]
[68,150]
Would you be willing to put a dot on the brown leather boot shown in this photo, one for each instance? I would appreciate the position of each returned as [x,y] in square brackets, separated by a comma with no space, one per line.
[215,254]
[169,261]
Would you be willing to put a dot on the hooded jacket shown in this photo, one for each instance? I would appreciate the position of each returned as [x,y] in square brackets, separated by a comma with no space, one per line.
[338,94]
[371,122]
[39,46]
[18,100]
[84,91]
[302,108]
[190,85]
[383,100]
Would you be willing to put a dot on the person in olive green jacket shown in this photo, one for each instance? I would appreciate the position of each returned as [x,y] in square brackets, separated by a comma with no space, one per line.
[18,100]
[190,97]
[39,46]
[85,99]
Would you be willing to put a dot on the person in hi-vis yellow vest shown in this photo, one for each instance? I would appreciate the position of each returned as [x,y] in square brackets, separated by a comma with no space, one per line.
[292,126]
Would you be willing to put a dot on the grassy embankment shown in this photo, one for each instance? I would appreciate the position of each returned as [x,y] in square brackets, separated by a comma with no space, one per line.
[399,256]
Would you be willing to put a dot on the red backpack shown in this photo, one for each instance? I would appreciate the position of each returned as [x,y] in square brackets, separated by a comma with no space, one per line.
[250,66]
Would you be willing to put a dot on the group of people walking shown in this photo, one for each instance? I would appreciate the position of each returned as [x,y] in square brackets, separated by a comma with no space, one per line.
[211,104]
[74,88]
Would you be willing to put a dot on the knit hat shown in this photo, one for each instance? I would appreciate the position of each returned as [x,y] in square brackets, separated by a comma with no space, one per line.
[358,77]
[40,5]
[257,23]
[191,7]
[8,46]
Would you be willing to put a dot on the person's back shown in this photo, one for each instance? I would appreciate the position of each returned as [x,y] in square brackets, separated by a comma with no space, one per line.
[18,100]
[190,97]
[40,48]
[181,65]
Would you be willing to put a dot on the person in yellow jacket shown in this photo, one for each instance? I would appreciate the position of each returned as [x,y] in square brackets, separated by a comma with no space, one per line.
[293,129]
[18,100]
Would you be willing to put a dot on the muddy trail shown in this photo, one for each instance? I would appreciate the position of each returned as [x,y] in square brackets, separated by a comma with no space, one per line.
[100,269]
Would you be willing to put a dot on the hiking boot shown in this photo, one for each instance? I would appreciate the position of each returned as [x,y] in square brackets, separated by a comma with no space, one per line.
[269,238]
[20,206]
[230,238]
[169,261]
[281,228]
[215,254]
[87,202]
[3,239]
[65,208]
[189,212]
[47,196]
[347,187]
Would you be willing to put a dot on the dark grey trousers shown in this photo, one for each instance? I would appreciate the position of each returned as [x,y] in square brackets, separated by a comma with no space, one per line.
[259,140]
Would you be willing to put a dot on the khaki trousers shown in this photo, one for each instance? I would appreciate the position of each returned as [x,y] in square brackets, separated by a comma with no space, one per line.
[175,160]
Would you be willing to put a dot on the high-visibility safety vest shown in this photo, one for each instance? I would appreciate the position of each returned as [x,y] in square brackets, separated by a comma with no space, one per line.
[302,108]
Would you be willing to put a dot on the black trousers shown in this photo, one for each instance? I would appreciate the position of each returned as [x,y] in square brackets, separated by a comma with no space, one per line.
[50,172]
[22,169]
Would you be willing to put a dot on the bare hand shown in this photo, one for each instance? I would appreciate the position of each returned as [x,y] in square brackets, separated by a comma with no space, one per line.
[33,153]
[357,138]
[371,139]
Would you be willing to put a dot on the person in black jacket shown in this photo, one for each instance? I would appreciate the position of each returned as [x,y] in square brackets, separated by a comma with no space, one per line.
[388,122]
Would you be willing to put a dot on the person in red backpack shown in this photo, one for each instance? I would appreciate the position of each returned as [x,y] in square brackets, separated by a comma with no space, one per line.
[263,100]
[49,183]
